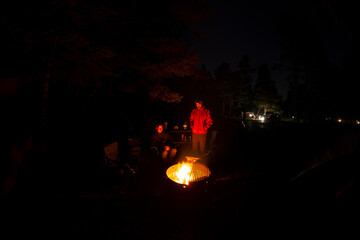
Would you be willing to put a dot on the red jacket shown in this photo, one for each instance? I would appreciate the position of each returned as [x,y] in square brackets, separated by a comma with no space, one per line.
[200,120]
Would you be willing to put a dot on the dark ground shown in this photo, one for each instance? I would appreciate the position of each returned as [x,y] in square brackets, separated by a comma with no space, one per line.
[251,191]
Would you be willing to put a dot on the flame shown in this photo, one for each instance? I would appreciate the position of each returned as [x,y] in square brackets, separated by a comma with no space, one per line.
[183,175]
[186,172]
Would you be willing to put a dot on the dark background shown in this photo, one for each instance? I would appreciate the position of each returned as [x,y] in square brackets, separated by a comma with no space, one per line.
[77,75]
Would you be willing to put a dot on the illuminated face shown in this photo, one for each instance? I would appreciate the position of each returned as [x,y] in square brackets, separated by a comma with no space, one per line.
[160,128]
[198,105]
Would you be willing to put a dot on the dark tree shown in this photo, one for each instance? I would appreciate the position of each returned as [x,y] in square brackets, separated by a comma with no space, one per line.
[244,80]
[103,51]
[266,97]
[224,80]
[303,52]
[94,68]
[234,88]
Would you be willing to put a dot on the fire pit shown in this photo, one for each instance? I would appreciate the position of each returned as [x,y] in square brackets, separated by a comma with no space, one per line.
[187,172]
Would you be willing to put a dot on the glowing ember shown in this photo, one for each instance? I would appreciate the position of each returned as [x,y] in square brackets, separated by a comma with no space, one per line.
[184,173]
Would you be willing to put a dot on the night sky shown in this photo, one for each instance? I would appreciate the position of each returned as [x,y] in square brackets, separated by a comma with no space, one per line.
[239,28]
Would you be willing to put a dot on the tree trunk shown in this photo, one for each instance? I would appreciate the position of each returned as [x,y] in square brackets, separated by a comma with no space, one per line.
[47,80]
[230,108]
[309,95]
[223,107]
[297,100]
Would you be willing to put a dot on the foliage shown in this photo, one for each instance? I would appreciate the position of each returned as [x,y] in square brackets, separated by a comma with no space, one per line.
[311,81]
[235,90]
[98,50]
[265,93]
[163,93]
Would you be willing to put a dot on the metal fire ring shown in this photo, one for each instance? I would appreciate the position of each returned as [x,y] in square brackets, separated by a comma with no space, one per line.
[197,173]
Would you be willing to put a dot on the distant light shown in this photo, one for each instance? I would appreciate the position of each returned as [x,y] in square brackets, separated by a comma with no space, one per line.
[357,122]
[339,120]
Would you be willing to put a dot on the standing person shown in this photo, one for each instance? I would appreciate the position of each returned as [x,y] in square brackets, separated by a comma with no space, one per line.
[162,144]
[200,122]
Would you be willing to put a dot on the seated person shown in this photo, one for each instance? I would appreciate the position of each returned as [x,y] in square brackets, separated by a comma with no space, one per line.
[162,144]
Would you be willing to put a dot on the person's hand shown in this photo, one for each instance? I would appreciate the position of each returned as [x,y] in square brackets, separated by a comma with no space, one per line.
[167,148]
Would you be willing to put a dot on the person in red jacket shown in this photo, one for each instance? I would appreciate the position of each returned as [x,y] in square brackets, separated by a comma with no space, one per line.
[200,122]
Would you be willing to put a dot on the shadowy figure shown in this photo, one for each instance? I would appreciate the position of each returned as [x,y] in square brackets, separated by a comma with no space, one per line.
[162,145]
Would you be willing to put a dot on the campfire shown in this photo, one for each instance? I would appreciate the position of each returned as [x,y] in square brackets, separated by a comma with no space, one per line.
[187,172]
